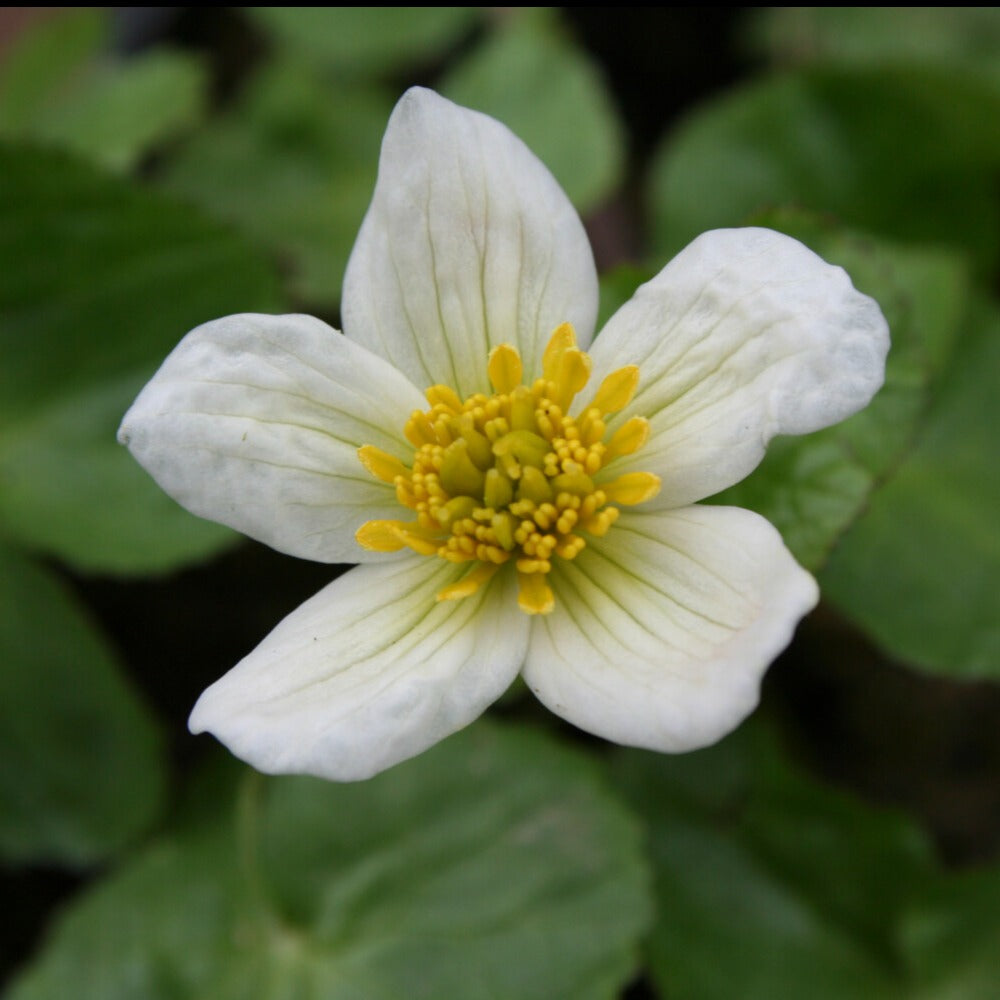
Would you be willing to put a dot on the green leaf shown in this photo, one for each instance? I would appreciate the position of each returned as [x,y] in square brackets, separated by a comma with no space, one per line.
[44,61]
[293,166]
[909,153]
[813,488]
[366,40]
[551,96]
[921,571]
[68,487]
[100,281]
[82,771]
[768,879]
[496,865]
[952,937]
[59,86]
[859,36]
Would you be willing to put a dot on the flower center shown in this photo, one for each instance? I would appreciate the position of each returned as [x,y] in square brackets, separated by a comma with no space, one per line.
[513,476]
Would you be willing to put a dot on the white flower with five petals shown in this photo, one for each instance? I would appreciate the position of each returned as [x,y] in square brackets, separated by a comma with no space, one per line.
[511,518]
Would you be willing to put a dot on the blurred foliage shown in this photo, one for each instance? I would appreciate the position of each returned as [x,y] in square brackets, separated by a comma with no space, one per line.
[907,152]
[83,770]
[364,42]
[920,570]
[293,163]
[146,193]
[814,487]
[99,277]
[497,838]
[862,36]
[769,879]
[294,168]
[61,87]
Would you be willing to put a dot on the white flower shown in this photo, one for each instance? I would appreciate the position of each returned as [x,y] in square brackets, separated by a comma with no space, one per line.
[651,628]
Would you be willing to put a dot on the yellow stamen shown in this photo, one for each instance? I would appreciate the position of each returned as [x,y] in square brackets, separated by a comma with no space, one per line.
[598,524]
[458,473]
[534,486]
[420,544]
[534,595]
[617,390]
[498,491]
[380,536]
[522,410]
[510,477]
[632,488]
[444,396]
[503,528]
[572,372]
[469,583]
[504,368]
[563,338]
[381,464]
[419,430]
[630,437]
[455,510]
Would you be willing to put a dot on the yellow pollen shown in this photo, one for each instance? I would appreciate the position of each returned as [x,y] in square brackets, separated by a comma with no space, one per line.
[513,476]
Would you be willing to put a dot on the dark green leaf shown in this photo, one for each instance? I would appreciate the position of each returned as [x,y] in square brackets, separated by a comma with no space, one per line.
[82,767]
[100,281]
[921,571]
[812,488]
[909,153]
[549,93]
[60,86]
[493,866]
[68,487]
[769,880]
[40,68]
[294,167]
[858,36]
[952,937]
[366,40]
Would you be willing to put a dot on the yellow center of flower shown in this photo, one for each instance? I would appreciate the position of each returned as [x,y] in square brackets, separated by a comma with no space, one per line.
[513,476]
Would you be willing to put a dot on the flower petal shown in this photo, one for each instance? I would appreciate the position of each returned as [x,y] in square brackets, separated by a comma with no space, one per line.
[370,671]
[255,421]
[469,243]
[663,628]
[744,335]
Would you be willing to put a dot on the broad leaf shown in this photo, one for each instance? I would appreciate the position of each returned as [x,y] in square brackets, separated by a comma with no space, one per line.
[769,880]
[921,571]
[101,280]
[813,488]
[952,937]
[495,865]
[905,152]
[366,40]
[82,769]
[61,86]
[860,36]
[294,167]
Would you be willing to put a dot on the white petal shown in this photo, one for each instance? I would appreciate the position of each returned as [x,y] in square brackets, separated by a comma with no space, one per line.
[255,421]
[469,242]
[744,335]
[662,629]
[370,671]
